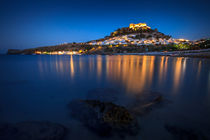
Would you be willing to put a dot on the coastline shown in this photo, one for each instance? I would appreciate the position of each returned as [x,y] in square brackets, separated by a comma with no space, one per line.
[203,53]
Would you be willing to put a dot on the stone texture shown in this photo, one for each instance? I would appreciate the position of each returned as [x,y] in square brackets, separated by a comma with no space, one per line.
[104,118]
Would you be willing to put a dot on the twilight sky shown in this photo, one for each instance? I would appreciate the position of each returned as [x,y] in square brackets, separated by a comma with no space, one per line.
[33,23]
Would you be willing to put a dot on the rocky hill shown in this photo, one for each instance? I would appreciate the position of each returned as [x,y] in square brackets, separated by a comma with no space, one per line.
[133,39]
[137,34]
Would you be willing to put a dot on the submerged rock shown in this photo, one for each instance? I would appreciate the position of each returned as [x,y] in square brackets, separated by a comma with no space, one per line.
[32,131]
[144,102]
[184,134]
[104,118]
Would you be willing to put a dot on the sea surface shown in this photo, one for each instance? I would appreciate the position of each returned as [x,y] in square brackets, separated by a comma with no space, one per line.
[39,88]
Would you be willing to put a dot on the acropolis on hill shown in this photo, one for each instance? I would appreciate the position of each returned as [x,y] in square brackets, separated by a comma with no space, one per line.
[139,25]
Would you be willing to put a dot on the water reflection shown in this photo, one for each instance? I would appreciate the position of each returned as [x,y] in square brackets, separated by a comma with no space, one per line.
[199,68]
[134,73]
[99,65]
[177,73]
[162,69]
[72,66]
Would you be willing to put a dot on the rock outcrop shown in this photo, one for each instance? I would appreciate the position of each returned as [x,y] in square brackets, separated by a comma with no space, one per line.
[104,118]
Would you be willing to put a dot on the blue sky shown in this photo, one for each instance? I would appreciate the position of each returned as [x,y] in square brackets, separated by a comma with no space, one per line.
[33,23]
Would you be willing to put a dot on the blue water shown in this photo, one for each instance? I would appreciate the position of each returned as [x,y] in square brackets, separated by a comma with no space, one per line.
[40,87]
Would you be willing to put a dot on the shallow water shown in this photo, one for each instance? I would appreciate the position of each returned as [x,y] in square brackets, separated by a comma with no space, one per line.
[40,87]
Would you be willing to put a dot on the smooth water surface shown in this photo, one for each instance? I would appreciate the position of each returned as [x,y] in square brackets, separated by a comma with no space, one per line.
[40,87]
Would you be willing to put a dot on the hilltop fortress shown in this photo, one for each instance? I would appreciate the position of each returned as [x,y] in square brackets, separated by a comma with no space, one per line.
[133,28]
[139,25]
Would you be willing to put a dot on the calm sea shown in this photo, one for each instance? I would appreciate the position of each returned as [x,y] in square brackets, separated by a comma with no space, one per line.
[40,87]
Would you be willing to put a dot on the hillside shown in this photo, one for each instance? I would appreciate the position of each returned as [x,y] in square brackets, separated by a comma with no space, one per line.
[137,34]
[133,39]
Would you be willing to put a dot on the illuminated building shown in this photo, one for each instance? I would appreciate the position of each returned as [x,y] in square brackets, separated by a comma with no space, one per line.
[139,25]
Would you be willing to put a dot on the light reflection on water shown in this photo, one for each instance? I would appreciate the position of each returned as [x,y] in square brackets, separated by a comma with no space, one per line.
[135,73]
[132,71]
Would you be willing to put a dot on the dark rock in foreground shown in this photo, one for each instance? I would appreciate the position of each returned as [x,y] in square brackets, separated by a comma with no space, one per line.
[32,131]
[104,118]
